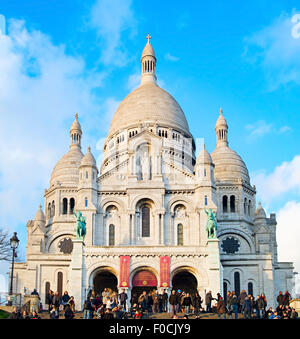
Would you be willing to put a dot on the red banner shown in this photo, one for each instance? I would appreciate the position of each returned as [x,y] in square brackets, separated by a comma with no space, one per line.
[124,271]
[165,272]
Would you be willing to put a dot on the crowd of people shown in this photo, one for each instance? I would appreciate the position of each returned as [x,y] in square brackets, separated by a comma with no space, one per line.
[250,307]
[112,305]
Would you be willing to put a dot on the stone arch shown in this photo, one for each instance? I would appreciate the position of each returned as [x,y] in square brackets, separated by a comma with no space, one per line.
[57,235]
[55,279]
[240,234]
[140,267]
[136,142]
[228,282]
[188,274]
[180,201]
[95,269]
[137,290]
[141,197]
[106,202]
[187,268]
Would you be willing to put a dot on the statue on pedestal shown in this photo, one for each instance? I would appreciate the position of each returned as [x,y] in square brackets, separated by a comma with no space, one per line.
[211,225]
[80,227]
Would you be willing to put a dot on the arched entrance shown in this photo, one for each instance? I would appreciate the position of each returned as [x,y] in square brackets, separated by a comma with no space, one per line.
[185,281]
[144,280]
[105,279]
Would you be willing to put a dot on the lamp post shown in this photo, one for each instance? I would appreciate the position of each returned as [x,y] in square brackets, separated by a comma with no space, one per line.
[14,243]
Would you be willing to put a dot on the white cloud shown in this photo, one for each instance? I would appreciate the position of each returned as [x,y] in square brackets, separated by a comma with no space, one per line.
[288,234]
[111,19]
[2,24]
[261,128]
[172,58]
[258,129]
[284,179]
[41,88]
[285,129]
[277,50]
[134,81]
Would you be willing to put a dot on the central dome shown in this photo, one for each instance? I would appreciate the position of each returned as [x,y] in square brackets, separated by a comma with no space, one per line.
[149,103]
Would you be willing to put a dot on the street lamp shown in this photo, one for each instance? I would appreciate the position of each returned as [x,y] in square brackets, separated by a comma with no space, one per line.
[14,243]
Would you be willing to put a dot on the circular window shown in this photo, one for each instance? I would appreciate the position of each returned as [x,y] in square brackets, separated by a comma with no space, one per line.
[66,246]
[230,245]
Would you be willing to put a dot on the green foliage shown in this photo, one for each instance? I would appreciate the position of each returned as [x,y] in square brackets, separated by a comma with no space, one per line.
[4,314]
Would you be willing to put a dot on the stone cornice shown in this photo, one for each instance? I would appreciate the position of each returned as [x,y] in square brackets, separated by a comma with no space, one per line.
[147,251]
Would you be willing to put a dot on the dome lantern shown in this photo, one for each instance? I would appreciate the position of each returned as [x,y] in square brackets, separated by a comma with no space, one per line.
[76,133]
[148,63]
[222,130]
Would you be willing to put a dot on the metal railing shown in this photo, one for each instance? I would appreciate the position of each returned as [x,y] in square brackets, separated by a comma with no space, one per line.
[15,299]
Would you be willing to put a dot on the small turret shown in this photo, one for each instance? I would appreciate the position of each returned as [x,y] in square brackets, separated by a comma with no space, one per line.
[148,63]
[204,167]
[222,130]
[88,171]
[75,133]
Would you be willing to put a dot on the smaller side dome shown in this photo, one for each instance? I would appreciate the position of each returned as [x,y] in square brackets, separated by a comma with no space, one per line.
[40,216]
[88,159]
[260,213]
[204,157]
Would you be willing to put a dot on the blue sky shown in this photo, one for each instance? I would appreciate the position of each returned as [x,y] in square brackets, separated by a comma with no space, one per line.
[67,56]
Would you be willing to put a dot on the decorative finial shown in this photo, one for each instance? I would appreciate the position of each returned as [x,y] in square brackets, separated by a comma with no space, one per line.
[89,149]
[148,37]
[76,116]
[221,111]
[259,204]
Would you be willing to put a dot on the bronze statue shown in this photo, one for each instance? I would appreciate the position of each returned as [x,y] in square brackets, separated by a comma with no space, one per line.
[80,227]
[211,225]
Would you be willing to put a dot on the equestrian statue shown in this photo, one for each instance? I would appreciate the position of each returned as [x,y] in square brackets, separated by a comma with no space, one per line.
[211,225]
[80,227]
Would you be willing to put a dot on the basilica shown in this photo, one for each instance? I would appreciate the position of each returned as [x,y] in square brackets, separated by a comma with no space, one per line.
[146,211]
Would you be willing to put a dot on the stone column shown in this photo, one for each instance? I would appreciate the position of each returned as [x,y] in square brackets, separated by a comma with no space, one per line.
[215,274]
[162,229]
[75,274]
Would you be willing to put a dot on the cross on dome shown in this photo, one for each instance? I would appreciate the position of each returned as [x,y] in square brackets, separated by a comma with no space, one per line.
[148,37]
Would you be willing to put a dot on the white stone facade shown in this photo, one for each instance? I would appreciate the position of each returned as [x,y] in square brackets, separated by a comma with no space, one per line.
[148,200]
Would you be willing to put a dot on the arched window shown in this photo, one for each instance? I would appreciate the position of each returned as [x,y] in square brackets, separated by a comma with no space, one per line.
[72,205]
[205,172]
[53,209]
[250,288]
[232,204]
[249,208]
[65,206]
[237,283]
[225,204]
[145,221]
[86,175]
[86,202]
[60,283]
[111,235]
[180,235]
[205,200]
[47,289]
[245,206]
[49,210]
[225,290]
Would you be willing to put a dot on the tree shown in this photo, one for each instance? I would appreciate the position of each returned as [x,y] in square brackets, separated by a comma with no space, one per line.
[5,250]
